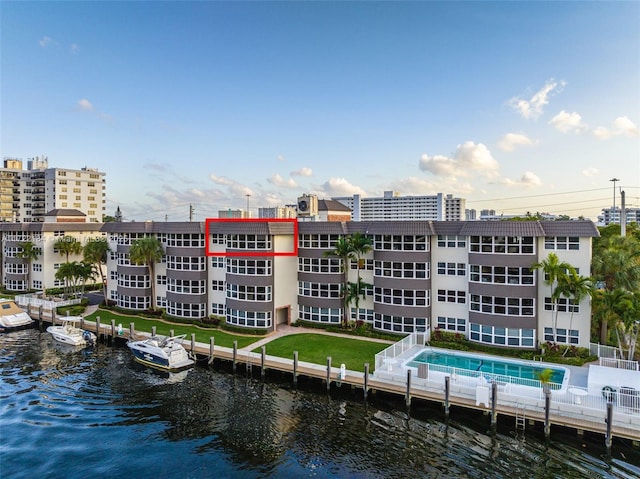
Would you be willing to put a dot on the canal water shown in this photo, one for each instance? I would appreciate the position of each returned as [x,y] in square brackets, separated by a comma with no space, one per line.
[94,413]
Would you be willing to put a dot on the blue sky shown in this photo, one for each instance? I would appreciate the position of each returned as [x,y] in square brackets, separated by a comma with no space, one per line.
[515,106]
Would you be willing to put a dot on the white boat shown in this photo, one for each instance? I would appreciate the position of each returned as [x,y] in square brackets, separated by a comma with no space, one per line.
[69,333]
[161,352]
[12,316]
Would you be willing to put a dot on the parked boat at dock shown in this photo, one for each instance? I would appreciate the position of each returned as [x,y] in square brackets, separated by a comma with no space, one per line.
[13,317]
[69,333]
[161,352]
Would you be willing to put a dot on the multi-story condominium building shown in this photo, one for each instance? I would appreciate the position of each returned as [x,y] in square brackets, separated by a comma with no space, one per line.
[277,212]
[9,192]
[393,207]
[40,189]
[22,274]
[473,278]
[612,216]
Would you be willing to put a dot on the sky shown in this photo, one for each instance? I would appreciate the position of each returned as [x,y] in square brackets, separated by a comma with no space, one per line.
[205,106]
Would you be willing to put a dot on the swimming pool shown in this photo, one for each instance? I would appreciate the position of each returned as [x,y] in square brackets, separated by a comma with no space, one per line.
[491,368]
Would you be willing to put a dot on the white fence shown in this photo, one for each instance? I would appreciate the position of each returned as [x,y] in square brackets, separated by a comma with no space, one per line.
[620,364]
[602,351]
[396,350]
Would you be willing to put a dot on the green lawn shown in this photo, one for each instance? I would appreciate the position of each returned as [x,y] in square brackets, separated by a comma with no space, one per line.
[145,324]
[314,348]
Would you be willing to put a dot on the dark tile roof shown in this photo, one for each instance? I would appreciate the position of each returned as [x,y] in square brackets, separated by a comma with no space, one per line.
[153,227]
[322,227]
[37,227]
[570,228]
[332,205]
[448,227]
[64,212]
[501,228]
[398,228]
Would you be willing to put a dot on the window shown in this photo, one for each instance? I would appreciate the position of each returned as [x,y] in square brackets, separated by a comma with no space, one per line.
[322,241]
[515,337]
[563,336]
[320,315]
[452,241]
[134,281]
[319,265]
[218,309]
[502,244]
[251,267]
[502,306]
[452,269]
[400,243]
[450,296]
[218,239]
[501,275]
[396,269]
[187,240]
[134,302]
[218,262]
[402,297]
[186,263]
[186,310]
[399,324]
[217,285]
[250,319]
[250,242]
[362,314]
[248,292]
[562,305]
[161,279]
[458,325]
[562,242]
[185,286]
[319,290]
[365,264]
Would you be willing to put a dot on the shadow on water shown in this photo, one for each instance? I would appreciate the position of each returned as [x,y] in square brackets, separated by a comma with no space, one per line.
[123,419]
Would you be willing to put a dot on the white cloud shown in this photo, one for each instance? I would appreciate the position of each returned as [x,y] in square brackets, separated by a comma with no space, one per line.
[589,172]
[568,122]
[420,186]
[281,158]
[534,106]
[340,187]
[279,181]
[527,180]
[469,159]
[45,41]
[511,141]
[220,180]
[85,105]
[621,126]
[302,172]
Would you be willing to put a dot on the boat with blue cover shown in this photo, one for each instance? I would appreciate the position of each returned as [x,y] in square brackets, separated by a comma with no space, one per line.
[162,352]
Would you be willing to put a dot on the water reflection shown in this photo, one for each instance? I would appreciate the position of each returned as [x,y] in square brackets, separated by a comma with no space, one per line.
[125,420]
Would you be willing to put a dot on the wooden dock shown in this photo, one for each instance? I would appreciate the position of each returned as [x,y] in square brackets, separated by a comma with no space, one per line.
[561,415]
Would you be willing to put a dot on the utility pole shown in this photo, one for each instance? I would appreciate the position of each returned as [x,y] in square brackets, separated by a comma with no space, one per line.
[613,212]
[190,212]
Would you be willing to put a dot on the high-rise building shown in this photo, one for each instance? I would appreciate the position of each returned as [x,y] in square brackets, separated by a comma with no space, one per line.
[611,216]
[392,207]
[40,189]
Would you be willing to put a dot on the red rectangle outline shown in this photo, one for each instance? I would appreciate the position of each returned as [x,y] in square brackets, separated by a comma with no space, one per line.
[253,220]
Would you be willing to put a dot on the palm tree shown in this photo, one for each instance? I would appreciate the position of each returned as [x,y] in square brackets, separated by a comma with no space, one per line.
[608,307]
[67,245]
[96,252]
[343,250]
[30,252]
[360,245]
[617,264]
[575,289]
[147,251]
[555,272]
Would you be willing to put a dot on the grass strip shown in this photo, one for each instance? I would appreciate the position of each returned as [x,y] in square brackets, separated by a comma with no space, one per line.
[314,348]
[141,324]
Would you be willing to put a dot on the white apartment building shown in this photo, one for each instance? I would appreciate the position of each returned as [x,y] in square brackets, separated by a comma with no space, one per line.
[612,216]
[40,189]
[392,206]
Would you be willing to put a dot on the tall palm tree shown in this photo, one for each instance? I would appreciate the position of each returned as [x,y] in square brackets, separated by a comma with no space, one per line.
[30,252]
[147,251]
[555,272]
[360,245]
[575,289]
[96,252]
[67,245]
[609,307]
[343,250]
[617,264]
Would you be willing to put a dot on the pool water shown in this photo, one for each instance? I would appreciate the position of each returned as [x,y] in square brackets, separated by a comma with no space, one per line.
[485,365]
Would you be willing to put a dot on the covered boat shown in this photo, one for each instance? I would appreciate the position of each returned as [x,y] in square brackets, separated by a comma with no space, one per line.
[161,352]
[12,316]
[69,333]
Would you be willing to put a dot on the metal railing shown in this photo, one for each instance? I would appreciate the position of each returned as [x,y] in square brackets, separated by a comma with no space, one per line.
[619,363]
[602,351]
[399,348]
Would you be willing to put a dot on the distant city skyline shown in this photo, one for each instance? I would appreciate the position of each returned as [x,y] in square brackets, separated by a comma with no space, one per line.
[513,106]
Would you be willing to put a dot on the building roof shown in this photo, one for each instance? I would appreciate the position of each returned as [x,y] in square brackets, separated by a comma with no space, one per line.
[153,227]
[65,212]
[332,205]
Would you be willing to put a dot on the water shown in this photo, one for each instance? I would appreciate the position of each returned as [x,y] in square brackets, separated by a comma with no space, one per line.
[72,414]
[474,363]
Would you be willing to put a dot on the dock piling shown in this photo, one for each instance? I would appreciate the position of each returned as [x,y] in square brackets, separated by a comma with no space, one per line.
[113,329]
[212,342]
[263,354]
[153,330]
[295,368]
[547,413]
[366,380]
[608,439]
[408,394]
[328,373]
[98,328]
[447,389]
[193,343]
[235,355]
[494,403]
[132,331]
